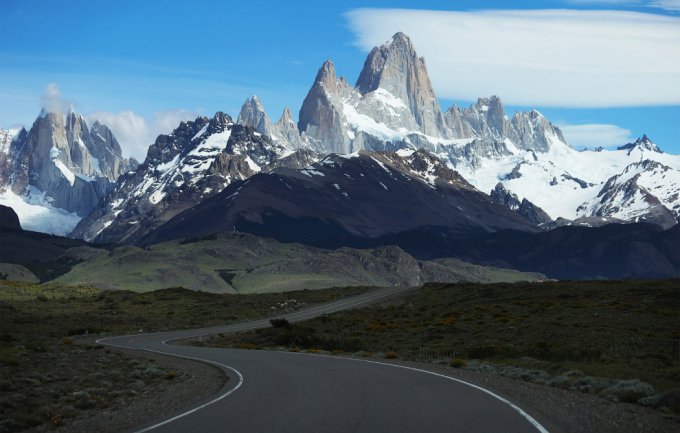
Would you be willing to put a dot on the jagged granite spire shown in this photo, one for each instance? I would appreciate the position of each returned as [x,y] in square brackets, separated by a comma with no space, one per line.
[321,114]
[396,67]
[252,114]
[486,119]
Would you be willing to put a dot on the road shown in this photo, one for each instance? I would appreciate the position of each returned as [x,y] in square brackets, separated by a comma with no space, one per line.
[270,391]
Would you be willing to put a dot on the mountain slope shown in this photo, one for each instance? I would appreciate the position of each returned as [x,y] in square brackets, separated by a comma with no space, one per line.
[196,161]
[610,252]
[345,200]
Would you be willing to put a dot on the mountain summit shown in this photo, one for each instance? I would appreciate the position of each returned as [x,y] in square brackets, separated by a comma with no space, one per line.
[396,68]
[643,143]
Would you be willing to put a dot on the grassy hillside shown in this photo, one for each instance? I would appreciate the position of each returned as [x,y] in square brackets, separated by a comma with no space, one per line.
[243,263]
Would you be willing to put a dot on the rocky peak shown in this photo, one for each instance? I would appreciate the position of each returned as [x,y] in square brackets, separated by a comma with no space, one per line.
[76,128]
[642,143]
[219,123]
[501,196]
[102,138]
[493,111]
[321,116]
[326,76]
[388,66]
[253,114]
[286,117]
[396,68]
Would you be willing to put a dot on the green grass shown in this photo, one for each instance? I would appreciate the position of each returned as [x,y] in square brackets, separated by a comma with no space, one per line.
[619,329]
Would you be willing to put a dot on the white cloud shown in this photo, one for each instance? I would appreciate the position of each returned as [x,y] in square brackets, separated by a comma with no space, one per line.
[596,134]
[669,5]
[565,58]
[52,101]
[134,133]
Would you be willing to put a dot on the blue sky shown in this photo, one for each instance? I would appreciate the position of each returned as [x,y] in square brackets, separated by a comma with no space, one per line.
[144,66]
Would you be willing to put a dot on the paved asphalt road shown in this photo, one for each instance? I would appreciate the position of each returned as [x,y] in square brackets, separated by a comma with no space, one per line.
[271,391]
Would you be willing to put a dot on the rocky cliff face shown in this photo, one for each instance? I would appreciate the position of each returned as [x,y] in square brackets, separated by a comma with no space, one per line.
[8,218]
[321,115]
[396,68]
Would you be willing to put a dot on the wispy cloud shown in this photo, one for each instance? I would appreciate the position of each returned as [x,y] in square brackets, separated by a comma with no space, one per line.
[52,101]
[135,133]
[563,58]
[596,134]
[669,5]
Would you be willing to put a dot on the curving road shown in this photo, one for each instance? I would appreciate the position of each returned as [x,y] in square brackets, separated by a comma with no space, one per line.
[298,393]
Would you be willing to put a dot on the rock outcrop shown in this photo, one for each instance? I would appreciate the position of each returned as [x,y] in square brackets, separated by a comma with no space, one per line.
[8,218]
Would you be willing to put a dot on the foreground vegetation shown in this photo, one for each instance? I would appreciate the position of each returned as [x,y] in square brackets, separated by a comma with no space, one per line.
[613,338]
[52,372]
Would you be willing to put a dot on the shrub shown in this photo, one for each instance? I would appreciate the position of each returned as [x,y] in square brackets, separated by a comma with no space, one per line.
[67,341]
[457,363]
[280,323]
[630,391]
[391,355]
[170,375]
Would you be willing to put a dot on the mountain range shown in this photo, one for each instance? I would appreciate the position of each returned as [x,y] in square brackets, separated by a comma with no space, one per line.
[365,165]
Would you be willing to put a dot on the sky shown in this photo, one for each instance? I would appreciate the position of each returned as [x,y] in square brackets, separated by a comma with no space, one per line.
[605,71]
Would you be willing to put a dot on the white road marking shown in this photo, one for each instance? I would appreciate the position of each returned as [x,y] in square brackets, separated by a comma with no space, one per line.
[518,409]
[241,380]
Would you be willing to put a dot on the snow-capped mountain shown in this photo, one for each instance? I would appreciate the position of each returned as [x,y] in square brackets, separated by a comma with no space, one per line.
[393,106]
[196,161]
[57,172]
[567,183]
[644,191]
[348,200]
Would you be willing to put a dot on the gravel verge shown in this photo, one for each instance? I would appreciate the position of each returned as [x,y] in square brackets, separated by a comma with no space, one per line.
[199,381]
